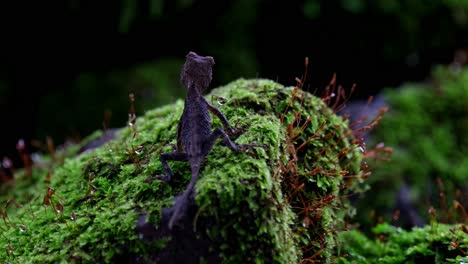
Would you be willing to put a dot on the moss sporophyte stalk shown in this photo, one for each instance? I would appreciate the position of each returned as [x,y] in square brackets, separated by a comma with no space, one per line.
[283,204]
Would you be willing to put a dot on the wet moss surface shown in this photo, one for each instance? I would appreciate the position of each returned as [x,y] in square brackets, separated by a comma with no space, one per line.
[278,205]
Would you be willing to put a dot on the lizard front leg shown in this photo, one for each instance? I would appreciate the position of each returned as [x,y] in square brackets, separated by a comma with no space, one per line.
[164,157]
[227,127]
[219,133]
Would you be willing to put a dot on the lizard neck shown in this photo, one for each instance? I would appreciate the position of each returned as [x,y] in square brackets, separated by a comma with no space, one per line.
[193,93]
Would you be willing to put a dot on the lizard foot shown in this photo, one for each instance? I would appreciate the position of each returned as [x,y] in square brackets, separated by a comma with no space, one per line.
[253,145]
[247,147]
[163,177]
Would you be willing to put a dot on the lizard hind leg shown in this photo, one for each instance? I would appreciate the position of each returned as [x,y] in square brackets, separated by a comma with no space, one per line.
[219,133]
[164,157]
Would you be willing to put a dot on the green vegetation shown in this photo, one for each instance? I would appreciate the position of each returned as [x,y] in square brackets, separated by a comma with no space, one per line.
[426,126]
[435,243]
[277,206]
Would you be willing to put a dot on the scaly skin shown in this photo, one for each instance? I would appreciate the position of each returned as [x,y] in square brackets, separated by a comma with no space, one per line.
[194,137]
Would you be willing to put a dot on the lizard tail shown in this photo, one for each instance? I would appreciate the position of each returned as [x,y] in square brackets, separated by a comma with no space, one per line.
[182,203]
[195,168]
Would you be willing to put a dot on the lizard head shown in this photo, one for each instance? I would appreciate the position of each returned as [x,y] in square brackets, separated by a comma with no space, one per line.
[197,71]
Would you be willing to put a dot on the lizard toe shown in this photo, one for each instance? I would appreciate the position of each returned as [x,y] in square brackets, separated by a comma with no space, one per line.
[163,177]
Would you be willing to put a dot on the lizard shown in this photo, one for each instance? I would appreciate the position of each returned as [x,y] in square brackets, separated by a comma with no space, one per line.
[195,139]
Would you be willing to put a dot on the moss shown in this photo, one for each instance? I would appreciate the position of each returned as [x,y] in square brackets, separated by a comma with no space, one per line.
[430,244]
[426,126]
[244,200]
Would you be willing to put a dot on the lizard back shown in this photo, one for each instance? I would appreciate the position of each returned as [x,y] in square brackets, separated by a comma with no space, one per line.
[195,126]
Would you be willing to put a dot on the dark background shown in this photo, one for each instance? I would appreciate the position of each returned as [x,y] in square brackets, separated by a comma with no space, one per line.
[64,63]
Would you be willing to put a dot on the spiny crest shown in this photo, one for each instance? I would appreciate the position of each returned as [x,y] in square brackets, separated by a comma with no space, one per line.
[197,71]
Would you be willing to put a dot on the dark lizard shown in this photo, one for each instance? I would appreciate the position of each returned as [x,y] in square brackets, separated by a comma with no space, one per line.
[194,136]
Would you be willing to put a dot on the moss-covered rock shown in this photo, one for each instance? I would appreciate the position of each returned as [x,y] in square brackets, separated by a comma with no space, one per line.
[274,206]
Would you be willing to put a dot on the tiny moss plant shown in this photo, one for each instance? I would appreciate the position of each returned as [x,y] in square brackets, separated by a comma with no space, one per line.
[284,205]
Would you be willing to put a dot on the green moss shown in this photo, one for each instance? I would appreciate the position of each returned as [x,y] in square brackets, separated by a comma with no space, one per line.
[426,126]
[243,196]
[430,244]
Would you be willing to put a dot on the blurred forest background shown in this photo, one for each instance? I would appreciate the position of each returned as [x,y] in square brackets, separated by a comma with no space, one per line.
[64,64]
